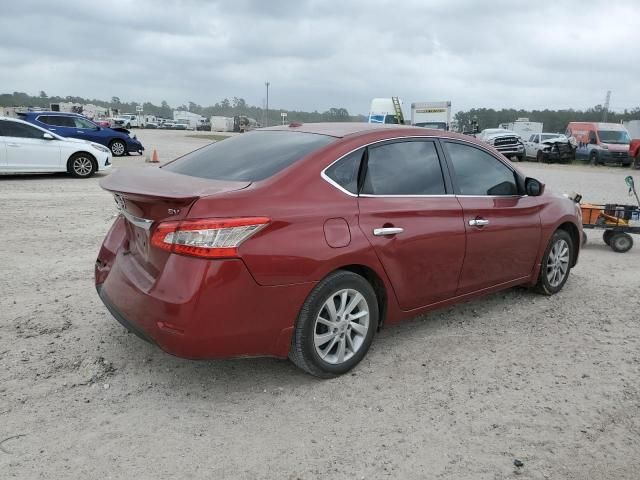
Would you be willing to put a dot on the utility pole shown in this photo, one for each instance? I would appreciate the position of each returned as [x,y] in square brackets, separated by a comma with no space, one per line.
[605,110]
[266,119]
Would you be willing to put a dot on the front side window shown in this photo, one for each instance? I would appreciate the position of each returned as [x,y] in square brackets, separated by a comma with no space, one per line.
[478,173]
[82,123]
[19,130]
[345,171]
[404,168]
[249,157]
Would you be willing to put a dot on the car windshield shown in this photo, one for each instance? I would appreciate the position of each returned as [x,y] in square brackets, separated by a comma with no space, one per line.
[249,157]
[614,136]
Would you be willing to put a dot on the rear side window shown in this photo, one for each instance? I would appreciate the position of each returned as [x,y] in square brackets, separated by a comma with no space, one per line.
[478,173]
[18,130]
[345,171]
[404,168]
[249,157]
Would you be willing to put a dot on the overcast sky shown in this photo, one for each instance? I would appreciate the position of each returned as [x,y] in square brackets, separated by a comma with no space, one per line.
[319,54]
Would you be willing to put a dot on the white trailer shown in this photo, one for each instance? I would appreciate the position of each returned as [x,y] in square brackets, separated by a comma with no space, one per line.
[190,119]
[221,124]
[633,127]
[384,110]
[523,127]
[431,115]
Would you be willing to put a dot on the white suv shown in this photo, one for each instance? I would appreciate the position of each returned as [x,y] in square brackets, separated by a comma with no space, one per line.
[126,120]
[26,148]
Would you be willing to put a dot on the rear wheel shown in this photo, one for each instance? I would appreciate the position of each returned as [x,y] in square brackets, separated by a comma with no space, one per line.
[593,158]
[335,326]
[606,236]
[621,242]
[556,263]
[81,165]
[118,148]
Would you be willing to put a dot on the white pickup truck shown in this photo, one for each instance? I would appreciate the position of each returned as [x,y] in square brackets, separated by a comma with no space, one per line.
[549,147]
[127,120]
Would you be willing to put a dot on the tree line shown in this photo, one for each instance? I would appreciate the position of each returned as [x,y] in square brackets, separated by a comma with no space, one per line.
[553,120]
[226,107]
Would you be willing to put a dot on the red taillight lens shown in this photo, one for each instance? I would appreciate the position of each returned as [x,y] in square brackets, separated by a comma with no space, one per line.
[215,238]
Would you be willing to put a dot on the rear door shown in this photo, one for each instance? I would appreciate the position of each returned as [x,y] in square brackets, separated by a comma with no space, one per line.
[503,226]
[27,150]
[413,221]
[60,124]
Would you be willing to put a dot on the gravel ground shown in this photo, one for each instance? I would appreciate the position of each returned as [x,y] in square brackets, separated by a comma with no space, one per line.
[459,393]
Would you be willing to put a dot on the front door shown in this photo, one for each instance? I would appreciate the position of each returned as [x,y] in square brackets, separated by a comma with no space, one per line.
[27,150]
[413,221]
[85,129]
[503,226]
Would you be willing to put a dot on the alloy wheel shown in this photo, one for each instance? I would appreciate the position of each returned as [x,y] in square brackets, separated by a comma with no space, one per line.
[341,326]
[82,166]
[558,262]
[117,148]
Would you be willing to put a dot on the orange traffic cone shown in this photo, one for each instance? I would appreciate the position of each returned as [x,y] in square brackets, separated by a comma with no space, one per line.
[154,158]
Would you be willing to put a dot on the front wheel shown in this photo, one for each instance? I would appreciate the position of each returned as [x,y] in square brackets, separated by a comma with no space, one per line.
[81,165]
[118,148]
[335,326]
[556,263]
[540,156]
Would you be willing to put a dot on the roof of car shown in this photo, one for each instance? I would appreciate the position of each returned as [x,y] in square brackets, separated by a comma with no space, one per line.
[342,129]
[46,112]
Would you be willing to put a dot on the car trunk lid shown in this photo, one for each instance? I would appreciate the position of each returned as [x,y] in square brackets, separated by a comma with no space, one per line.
[146,197]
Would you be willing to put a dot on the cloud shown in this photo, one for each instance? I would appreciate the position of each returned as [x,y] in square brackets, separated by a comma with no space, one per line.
[319,54]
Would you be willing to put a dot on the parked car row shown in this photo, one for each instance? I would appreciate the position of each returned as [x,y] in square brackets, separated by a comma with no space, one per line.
[118,141]
[595,142]
[28,148]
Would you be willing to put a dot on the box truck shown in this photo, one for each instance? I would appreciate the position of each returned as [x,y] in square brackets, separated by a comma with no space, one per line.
[435,115]
[523,127]
[221,124]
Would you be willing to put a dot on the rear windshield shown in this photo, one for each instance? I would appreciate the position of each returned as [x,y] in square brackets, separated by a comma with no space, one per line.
[249,157]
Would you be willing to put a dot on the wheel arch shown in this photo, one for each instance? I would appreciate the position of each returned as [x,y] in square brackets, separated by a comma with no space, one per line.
[574,233]
[376,282]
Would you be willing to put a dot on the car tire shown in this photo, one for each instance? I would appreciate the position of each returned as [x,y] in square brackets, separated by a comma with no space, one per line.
[621,242]
[118,148]
[556,263]
[326,341]
[584,239]
[593,158]
[636,163]
[540,156]
[606,236]
[82,165]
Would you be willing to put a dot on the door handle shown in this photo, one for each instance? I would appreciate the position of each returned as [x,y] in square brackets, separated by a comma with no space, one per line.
[79,131]
[381,232]
[13,144]
[478,222]
[52,129]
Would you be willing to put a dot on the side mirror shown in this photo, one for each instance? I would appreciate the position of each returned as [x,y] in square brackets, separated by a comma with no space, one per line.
[48,136]
[533,187]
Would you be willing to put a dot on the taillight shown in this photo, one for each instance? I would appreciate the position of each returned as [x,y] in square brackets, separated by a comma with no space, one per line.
[215,238]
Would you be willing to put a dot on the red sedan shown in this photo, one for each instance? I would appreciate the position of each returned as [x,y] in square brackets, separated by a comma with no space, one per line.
[301,241]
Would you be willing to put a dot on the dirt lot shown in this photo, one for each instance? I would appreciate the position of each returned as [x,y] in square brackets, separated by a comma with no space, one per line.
[460,393]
